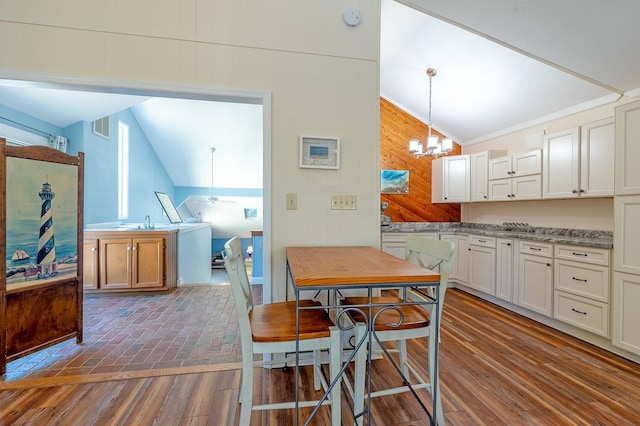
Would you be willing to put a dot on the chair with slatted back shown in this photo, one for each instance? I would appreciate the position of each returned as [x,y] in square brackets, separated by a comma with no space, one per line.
[417,322]
[271,328]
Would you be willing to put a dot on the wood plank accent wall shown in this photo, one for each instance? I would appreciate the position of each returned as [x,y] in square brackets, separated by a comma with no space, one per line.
[396,129]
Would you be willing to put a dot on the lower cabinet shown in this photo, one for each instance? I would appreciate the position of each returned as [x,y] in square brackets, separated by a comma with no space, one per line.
[395,243]
[504,269]
[482,264]
[626,315]
[535,277]
[128,261]
[581,282]
[459,268]
[90,264]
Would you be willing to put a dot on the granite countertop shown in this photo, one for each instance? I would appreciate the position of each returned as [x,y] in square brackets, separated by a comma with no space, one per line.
[581,237]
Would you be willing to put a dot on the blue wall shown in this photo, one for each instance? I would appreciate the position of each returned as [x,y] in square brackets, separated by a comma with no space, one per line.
[147,174]
[30,121]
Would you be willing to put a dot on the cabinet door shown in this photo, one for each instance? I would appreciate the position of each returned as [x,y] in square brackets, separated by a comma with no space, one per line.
[437,181]
[526,187]
[500,190]
[626,234]
[561,164]
[526,163]
[504,269]
[535,284]
[462,256]
[482,272]
[90,265]
[479,176]
[147,262]
[627,152]
[500,168]
[457,175]
[115,263]
[597,149]
[626,315]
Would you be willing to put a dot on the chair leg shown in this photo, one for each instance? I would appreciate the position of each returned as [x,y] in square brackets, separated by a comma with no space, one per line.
[432,374]
[335,364]
[402,353]
[246,391]
[316,368]
[360,371]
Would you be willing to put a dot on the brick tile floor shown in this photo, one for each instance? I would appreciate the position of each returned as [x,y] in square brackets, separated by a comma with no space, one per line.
[193,325]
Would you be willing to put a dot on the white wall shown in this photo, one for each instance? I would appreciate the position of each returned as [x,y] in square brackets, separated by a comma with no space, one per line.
[588,213]
[323,77]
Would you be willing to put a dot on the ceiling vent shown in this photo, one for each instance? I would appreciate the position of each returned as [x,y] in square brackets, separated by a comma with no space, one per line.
[101,127]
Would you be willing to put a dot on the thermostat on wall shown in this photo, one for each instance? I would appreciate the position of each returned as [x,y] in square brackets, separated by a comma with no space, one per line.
[351,17]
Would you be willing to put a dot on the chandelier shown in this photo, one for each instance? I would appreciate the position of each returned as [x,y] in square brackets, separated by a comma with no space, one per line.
[435,147]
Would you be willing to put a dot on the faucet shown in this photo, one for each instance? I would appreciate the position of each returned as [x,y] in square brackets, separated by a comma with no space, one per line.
[147,222]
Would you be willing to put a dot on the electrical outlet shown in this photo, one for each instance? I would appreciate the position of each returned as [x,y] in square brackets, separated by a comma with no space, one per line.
[292,201]
[344,202]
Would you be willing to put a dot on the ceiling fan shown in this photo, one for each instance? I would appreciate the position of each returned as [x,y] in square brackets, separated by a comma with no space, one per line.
[212,198]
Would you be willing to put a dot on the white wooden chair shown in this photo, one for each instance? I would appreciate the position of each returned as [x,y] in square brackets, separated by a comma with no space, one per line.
[416,323]
[271,328]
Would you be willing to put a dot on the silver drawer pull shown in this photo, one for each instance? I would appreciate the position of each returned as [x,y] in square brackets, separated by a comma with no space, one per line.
[579,312]
[579,254]
[579,279]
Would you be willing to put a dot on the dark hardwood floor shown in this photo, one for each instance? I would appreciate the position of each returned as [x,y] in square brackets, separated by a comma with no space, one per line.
[497,368]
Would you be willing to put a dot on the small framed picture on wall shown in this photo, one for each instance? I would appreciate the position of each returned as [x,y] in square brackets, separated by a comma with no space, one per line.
[319,152]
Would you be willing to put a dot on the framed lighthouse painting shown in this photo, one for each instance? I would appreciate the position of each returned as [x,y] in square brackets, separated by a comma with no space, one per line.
[41,246]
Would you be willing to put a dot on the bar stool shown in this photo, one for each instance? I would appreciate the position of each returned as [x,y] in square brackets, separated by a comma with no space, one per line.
[271,328]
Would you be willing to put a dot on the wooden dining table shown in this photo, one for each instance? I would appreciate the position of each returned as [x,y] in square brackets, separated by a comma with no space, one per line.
[338,269]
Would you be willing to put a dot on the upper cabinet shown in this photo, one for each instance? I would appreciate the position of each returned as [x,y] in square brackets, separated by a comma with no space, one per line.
[578,162]
[480,173]
[451,179]
[516,177]
[627,137]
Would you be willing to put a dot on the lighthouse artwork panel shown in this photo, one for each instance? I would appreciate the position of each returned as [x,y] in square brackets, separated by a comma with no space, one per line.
[41,232]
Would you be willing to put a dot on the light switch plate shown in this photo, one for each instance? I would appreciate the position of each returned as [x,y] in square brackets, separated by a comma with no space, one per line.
[344,202]
[292,201]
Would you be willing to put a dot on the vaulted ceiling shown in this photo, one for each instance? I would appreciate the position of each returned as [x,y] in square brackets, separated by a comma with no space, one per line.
[502,65]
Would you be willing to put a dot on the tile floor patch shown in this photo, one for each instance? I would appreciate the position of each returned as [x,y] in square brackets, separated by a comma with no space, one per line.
[193,325]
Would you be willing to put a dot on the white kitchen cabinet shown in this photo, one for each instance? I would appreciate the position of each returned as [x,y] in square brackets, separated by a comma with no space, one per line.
[504,269]
[395,243]
[451,179]
[516,177]
[516,165]
[627,151]
[516,189]
[597,152]
[581,283]
[482,264]
[480,173]
[459,267]
[535,277]
[578,162]
[626,315]
[626,234]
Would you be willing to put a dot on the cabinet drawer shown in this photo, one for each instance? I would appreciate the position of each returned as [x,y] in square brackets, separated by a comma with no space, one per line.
[593,255]
[536,249]
[394,237]
[581,312]
[582,279]
[483,241]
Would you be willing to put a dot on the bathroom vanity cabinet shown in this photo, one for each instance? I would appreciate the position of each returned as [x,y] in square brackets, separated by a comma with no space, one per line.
[130,260]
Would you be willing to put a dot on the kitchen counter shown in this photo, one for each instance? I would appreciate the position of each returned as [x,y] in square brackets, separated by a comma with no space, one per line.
[581,237]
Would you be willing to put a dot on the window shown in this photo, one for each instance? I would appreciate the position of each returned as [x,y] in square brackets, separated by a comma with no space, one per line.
[123,170]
